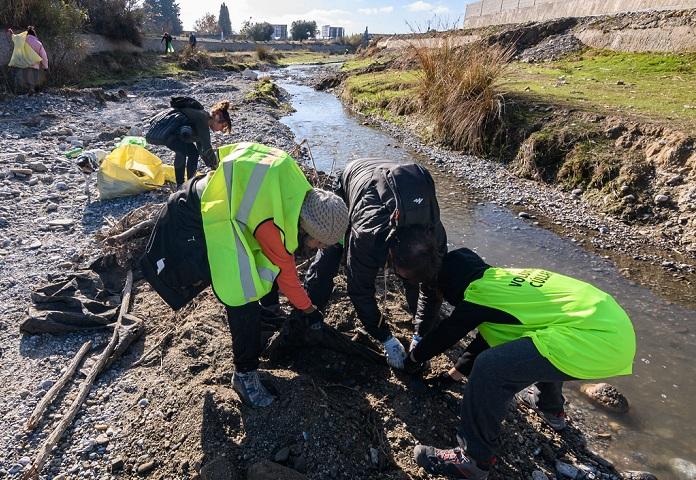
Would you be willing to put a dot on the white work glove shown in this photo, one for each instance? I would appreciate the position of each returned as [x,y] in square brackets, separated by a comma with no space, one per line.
[395,353]
[414,342]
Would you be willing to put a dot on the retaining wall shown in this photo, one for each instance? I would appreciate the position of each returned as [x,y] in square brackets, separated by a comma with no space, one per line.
[501,12]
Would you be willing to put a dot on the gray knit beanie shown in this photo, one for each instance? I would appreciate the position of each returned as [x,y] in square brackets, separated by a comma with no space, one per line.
[324,216]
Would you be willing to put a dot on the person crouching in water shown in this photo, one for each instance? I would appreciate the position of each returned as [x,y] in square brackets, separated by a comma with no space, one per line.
[185,129]
[540,329]
[237,228]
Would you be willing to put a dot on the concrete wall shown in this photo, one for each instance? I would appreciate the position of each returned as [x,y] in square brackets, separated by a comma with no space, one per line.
[675,39]
[500,12]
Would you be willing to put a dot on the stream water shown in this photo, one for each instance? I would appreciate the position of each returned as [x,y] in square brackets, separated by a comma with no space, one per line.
[660,424]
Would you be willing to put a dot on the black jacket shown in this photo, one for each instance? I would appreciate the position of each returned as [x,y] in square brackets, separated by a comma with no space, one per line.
[373,189]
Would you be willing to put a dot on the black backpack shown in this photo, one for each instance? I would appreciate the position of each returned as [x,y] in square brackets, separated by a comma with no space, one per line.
[186,102]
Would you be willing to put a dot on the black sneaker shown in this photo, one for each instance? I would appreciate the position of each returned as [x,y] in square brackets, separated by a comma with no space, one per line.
[530,397]
[453,462]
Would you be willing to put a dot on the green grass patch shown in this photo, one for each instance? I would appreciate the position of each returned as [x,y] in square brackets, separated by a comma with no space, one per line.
[309,58]
[654,85]
[380,93]
[357,63]
[106,69]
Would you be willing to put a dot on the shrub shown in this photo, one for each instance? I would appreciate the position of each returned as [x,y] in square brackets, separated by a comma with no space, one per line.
[259,32]
[303,29]
[194,59]
[265,54]
[114,19]
[458,89]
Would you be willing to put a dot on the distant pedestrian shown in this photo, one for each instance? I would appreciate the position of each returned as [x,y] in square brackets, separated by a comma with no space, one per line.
[167,40]
[192,40]
[30,60]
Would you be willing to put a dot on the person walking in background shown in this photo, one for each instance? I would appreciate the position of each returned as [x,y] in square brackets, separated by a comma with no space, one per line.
[185,129]
[193,41]
[237,228]
[167,40]
[30,59]
[537,329]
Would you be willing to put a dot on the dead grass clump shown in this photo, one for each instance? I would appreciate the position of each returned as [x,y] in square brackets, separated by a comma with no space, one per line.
[459,89]
[194,59]
[265,54]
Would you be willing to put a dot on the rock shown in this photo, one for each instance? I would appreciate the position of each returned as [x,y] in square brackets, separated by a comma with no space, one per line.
[603,230]
[102,439]
[661,199]
[15,469]
[249,74]
[606,396]
[61,186]
[20,158]
[266,470]
[21,172]
[116,465]
[24,461]
[46,384]
[143,402]
[51,207]
[61,222]
[218,469]
[282,455]
[577,192]
[24,394]
[38,167]
[4,223]
[145,468]
[620,82]
[634,475]
[604,435]
[524,215]
[565,470]
[33,181]
[630,198]
[539,475]
[683,469]
[675,180]
[101,427]
[374,456]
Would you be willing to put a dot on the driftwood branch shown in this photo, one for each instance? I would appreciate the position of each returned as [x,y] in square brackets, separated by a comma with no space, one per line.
[166,338]
[47,399]
[32,472]
[131,232]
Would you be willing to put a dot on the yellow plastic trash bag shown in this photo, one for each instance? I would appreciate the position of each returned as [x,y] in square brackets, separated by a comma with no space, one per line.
[130,170]
[23,56]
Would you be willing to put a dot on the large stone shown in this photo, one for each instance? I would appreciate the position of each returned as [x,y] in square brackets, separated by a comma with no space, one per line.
[606,396]
[683,469]
[218,469]
[267,470]
[633,475]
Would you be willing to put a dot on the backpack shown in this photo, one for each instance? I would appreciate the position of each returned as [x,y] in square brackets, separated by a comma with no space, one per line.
[186,102]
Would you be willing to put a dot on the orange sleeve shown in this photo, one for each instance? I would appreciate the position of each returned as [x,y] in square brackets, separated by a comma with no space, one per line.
[272,246]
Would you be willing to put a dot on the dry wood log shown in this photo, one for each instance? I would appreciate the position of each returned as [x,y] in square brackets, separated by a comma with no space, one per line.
[131,232]
[32,473]
[47,399]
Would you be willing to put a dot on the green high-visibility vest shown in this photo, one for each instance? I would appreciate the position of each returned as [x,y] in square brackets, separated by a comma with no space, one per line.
[580,329]
[253,183]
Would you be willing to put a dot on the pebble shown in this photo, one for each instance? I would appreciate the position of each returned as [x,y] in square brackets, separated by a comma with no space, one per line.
[102,439]
[683,469]
[675,180]
[539,475]
[661,199]
[116,464]
[603,230]
[282,455]
[143,402]
[607,396]
[24,461]
[15,469]
[524,215]
[145,467]
[61,186]
[46,384]
[61,222]
[38,167]
[577,192]
[566,470]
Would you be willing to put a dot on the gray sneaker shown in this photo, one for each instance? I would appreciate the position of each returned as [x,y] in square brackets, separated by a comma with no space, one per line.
[250,389]
[454,462]
[530,397]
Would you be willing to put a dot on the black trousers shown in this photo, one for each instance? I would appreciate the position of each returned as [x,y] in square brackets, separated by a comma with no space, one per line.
[185,159]
[497,374]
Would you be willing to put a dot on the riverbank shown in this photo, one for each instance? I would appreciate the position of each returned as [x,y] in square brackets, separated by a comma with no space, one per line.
[175,415]
[595,158]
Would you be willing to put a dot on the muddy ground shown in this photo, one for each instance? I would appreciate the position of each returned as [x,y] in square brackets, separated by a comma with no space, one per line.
[175,415]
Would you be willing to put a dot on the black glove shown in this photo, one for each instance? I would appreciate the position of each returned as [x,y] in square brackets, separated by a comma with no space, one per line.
[314,320]
[412,367]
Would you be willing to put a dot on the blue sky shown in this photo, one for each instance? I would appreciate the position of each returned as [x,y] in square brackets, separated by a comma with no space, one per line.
[380,16]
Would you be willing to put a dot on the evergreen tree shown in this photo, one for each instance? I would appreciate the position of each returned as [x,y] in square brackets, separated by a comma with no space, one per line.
[224,20]
[163,16]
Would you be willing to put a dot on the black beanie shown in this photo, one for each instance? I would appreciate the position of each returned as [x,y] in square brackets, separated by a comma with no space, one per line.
[459,268]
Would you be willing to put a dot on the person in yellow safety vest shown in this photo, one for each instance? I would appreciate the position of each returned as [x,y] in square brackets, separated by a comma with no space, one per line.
[536,329]
[236,229]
